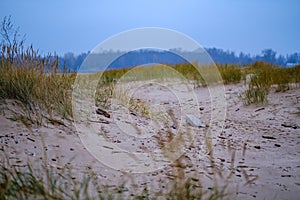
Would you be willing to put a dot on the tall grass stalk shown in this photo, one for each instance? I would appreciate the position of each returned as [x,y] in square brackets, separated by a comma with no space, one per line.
[34,80]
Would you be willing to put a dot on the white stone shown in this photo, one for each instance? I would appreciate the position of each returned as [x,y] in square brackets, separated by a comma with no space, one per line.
[193,121]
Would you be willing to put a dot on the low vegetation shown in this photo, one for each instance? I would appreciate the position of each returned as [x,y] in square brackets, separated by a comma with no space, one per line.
[231,73]
[264,76]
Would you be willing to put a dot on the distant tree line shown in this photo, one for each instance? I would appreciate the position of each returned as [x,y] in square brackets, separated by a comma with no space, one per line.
[219,56]
[267,55]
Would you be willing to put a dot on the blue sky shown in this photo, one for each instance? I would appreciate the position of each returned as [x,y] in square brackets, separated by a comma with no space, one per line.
[237,25]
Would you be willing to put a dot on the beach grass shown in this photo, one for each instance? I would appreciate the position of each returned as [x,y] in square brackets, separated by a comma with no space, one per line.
[231,74]
[263,76]
[53,183]
[35,81]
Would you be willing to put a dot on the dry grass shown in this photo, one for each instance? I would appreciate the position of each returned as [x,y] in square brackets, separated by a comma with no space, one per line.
[231,73]
[53,183]
[264,76]
[35,81]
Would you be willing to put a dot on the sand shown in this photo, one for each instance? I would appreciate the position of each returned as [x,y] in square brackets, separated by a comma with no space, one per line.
[258,147]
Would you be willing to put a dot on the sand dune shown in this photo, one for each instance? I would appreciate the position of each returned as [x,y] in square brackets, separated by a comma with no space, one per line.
[258,147]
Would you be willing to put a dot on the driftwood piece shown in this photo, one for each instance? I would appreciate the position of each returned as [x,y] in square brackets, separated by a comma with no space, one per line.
[100,111]
[289,126]
[268,137]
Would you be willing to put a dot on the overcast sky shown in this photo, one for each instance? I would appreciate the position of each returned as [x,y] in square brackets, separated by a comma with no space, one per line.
[238,25]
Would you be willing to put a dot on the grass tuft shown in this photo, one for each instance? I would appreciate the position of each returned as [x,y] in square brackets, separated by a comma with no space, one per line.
[35,81]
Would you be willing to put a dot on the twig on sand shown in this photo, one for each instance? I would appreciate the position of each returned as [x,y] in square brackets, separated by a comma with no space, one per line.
[99,111]
[268,137]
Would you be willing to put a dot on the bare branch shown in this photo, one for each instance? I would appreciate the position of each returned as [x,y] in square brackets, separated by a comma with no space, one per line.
[9,34]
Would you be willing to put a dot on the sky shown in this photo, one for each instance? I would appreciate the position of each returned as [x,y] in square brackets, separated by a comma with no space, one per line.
[235,25]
